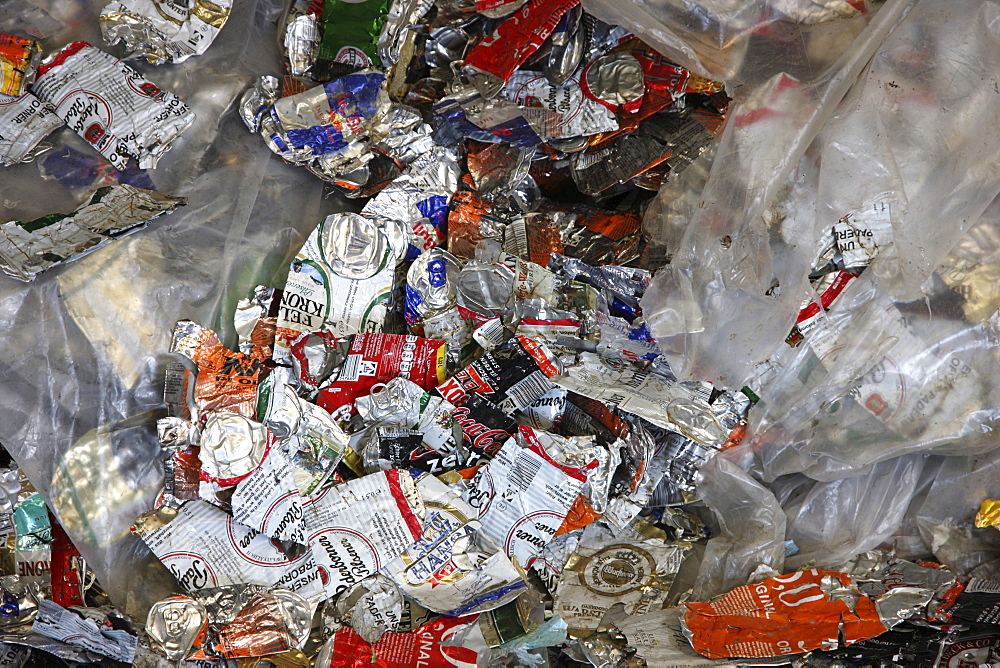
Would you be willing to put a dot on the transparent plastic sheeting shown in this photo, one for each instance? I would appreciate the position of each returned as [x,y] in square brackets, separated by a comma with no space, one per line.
[81,348]
[898,105]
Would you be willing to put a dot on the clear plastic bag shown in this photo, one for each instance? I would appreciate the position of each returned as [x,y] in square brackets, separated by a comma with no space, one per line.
[84,346]
[916,126]
[945,518]
[830,522]
[749,529]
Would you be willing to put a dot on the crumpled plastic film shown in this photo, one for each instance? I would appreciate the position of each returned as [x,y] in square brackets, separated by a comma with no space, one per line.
[830,522]
[80,388]
[751,529]
[885,134]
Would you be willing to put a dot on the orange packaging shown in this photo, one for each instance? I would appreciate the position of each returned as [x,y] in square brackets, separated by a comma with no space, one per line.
[580,514]
[227,380]
[260,629]
[782,615]
[16,54]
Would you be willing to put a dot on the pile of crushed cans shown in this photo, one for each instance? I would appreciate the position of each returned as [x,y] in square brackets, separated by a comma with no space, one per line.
[449,438]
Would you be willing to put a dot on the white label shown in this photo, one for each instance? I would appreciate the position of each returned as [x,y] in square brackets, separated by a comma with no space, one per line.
[522,500]
[268,500]
[490,334]
[861,235]
[204,547]
[355,528]
[571,114]
[112,107]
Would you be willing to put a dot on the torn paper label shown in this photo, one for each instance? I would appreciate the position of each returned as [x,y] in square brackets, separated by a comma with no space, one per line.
[862,235]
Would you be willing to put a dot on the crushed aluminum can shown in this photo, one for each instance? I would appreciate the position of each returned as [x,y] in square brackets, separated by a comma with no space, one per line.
[28,248]
[354,245]
[523,496]
[232,447]
[372,607]
[767,618]
[315,442]
[401,650]
[164,32]
[175,625]
[485,288]
[575,114]
[430,285]
[204,547]
[114,109]
[569,42]
[498,169]
[24,122]
[267,499]
[511,376]
[441,570]
[491,62]
[614,80]
[606,569]
[369,359]
[403,403]
[301,43]
[445,44]
[988,514]
[485,429]
[418,199]
[390,447]
[351,31]
[226,380]
[17,59]
[669,405]
[55,621]
[356,527]
[329,120]
[402,17]
[268,623]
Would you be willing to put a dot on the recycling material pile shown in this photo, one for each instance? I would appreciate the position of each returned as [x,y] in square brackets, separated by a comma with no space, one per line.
[655,335]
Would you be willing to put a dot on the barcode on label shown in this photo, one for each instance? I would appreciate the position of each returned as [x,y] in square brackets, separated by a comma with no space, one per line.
[175,384]
[523,393]
[490,334]
[524,471]
[351,368]
[977,585]
[515,240]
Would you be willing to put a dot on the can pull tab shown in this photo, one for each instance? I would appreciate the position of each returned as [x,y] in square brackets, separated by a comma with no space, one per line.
[437,273]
